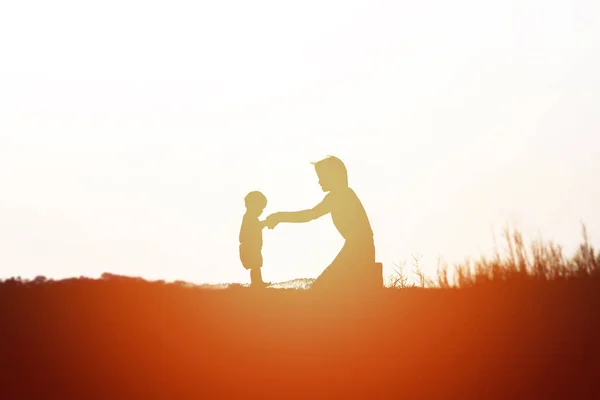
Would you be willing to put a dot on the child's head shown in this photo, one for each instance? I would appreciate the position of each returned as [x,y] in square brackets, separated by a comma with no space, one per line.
[332,173]
[255,202]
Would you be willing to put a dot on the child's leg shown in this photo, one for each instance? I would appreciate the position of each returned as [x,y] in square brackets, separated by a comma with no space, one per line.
[256,276]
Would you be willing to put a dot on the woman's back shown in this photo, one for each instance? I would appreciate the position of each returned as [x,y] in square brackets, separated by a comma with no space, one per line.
[348,214]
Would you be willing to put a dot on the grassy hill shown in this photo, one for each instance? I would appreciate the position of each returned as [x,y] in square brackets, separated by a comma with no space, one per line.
[135,339]
[502,332]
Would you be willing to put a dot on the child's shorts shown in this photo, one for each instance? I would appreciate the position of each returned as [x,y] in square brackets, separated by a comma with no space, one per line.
[251,258]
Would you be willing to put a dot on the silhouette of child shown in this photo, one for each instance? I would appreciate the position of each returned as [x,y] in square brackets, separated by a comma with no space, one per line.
[251,237]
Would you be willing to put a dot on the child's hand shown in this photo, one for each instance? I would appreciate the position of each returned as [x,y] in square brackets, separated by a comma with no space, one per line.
[263,224]
[272,221]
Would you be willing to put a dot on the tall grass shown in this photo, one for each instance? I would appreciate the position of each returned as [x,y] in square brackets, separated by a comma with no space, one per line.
[541,261]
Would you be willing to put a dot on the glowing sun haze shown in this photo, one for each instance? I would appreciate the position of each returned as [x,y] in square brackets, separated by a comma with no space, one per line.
[131,131]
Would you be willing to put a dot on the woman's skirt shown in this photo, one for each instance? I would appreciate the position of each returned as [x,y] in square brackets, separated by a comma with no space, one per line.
[353,268]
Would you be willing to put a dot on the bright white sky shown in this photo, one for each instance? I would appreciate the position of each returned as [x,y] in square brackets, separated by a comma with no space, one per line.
[130,131]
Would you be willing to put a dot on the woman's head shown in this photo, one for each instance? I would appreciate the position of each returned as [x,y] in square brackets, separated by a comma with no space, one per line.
[332,173]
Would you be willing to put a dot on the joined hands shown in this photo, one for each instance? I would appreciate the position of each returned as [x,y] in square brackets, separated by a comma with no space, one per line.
[272,220]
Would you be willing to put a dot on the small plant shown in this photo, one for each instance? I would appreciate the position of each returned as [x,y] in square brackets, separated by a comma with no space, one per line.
[442,275]
[422,280]
[398,279]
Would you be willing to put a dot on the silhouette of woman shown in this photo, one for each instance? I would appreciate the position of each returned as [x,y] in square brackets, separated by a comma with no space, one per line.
[354,266]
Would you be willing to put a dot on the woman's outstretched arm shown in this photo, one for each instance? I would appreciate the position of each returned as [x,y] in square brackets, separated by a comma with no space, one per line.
[299,216]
